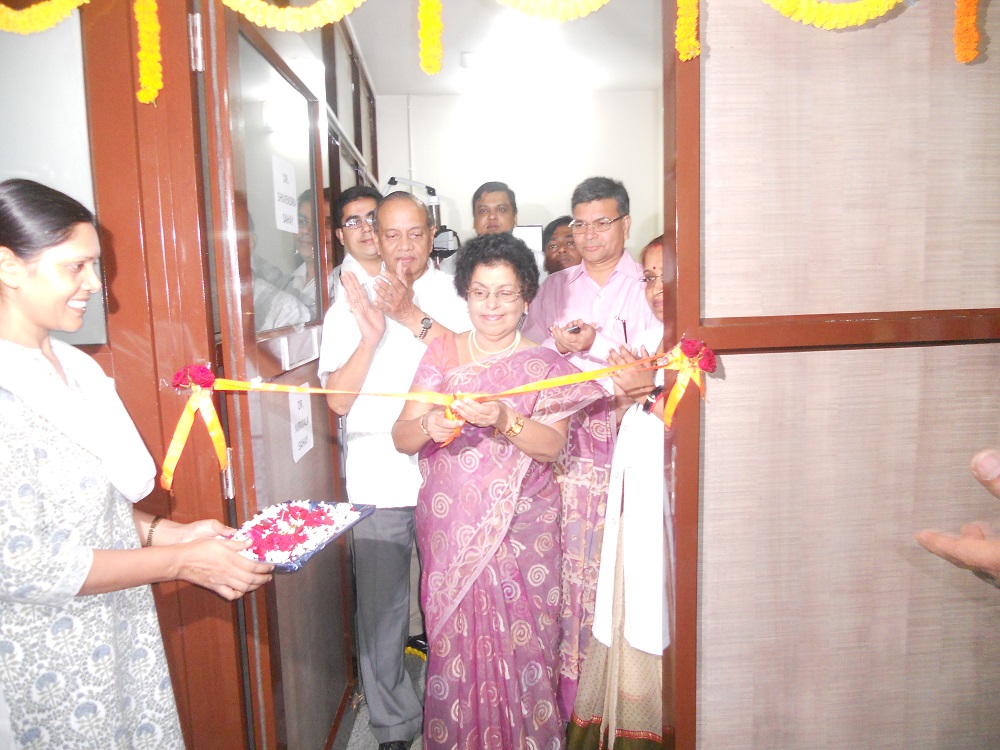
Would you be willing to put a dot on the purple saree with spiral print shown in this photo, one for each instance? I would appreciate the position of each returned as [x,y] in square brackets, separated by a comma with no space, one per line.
[509,549]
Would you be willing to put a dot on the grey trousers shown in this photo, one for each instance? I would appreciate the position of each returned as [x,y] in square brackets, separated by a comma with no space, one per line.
[383,545]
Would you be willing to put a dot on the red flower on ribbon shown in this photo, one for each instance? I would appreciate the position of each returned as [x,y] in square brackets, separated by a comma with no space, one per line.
[707,361]
[199,375]
[691,347]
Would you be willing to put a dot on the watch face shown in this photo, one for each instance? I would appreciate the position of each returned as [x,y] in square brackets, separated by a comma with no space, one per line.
[426,322]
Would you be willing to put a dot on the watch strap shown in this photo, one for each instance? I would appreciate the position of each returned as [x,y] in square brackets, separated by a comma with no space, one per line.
[425,326]
[654,395]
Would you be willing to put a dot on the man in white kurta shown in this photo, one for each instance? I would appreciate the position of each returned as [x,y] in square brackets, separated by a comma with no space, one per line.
[418,303]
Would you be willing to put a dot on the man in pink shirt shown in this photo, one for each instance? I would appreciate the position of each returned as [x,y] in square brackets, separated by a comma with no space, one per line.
[587,310]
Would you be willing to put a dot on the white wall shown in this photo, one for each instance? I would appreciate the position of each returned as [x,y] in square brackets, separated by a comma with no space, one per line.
[456,143]
[43,133]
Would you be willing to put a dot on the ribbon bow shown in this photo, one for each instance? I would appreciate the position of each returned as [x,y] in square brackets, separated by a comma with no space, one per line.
[690,358]
[200,380]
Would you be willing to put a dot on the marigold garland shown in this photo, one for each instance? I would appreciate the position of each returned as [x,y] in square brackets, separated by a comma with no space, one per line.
[966,33]
[431,27]
[686,30]
[558,10]
[37,17]
[150,62]
[825,15]
[320,13]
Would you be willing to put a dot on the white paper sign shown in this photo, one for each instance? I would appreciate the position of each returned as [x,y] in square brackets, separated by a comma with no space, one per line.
[286,209]
[300,411]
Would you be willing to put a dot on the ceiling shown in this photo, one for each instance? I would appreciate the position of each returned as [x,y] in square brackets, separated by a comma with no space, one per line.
[615,48]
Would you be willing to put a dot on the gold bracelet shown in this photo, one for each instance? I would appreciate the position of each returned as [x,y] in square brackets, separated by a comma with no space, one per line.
[515,429]
[152,527]
[424,426]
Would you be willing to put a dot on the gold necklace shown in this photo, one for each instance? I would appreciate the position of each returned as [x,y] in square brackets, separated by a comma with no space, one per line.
[499,353]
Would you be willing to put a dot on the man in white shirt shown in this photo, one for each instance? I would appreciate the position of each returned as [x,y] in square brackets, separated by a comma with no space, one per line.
[588,310]
[374,336]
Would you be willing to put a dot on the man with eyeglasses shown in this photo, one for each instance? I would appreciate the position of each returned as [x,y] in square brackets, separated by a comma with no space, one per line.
[374,336]
[586,311]
[353,215]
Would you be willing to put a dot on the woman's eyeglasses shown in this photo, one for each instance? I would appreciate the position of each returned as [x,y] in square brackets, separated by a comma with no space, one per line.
[600,225]
[504,296]
[651,280]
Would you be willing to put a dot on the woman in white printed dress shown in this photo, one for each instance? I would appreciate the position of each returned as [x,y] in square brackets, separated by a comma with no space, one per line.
[82,662]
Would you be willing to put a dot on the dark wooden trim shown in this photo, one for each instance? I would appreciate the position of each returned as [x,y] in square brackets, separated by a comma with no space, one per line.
[682,107]
[328,44]
[221,35]
[848,330]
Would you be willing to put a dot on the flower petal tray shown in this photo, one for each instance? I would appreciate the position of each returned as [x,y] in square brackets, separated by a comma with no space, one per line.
[288,534]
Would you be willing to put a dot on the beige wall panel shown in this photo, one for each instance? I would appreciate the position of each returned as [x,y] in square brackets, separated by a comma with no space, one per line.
[822,624]
[848,171]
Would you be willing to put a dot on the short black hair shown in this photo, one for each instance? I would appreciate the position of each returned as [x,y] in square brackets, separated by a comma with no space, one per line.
[493,187]
[490,250]
[402,195]
[552,226]
[599,189]
[35,217]
[350,195]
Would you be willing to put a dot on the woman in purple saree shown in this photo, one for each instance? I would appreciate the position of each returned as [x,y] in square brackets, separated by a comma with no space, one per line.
[509,518]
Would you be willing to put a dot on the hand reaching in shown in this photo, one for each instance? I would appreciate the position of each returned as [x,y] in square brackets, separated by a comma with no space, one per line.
[975,548]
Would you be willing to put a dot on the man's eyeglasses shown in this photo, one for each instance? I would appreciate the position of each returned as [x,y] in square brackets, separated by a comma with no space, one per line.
[504,296]
[356,221]
[600,225]
[652,280]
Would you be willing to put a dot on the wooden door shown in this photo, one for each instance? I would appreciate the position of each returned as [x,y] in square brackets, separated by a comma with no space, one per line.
[263,153]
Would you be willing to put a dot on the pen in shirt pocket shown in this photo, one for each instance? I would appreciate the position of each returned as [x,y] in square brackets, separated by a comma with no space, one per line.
[624,329]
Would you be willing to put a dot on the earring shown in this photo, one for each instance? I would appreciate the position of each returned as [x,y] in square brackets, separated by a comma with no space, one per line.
[520,323]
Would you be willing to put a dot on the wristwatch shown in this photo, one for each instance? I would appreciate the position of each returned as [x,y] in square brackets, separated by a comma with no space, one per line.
[425,325]
[652,398]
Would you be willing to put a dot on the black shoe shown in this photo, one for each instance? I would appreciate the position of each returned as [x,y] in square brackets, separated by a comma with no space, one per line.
[417,643]
[394,745]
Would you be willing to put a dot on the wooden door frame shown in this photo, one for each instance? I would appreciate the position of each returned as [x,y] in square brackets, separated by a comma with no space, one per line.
[148,190]
[682,220]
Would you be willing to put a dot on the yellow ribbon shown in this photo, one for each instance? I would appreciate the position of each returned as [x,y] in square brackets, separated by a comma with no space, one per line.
[687,371]
[201,400]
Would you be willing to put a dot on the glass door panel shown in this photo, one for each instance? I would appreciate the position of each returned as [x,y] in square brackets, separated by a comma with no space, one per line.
[285,244]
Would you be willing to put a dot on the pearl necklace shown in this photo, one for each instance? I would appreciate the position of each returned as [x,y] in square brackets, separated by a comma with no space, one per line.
[499,353]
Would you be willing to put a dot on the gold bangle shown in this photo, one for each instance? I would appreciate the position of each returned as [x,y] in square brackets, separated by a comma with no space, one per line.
[424,426]
[515,429]
[152,527]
